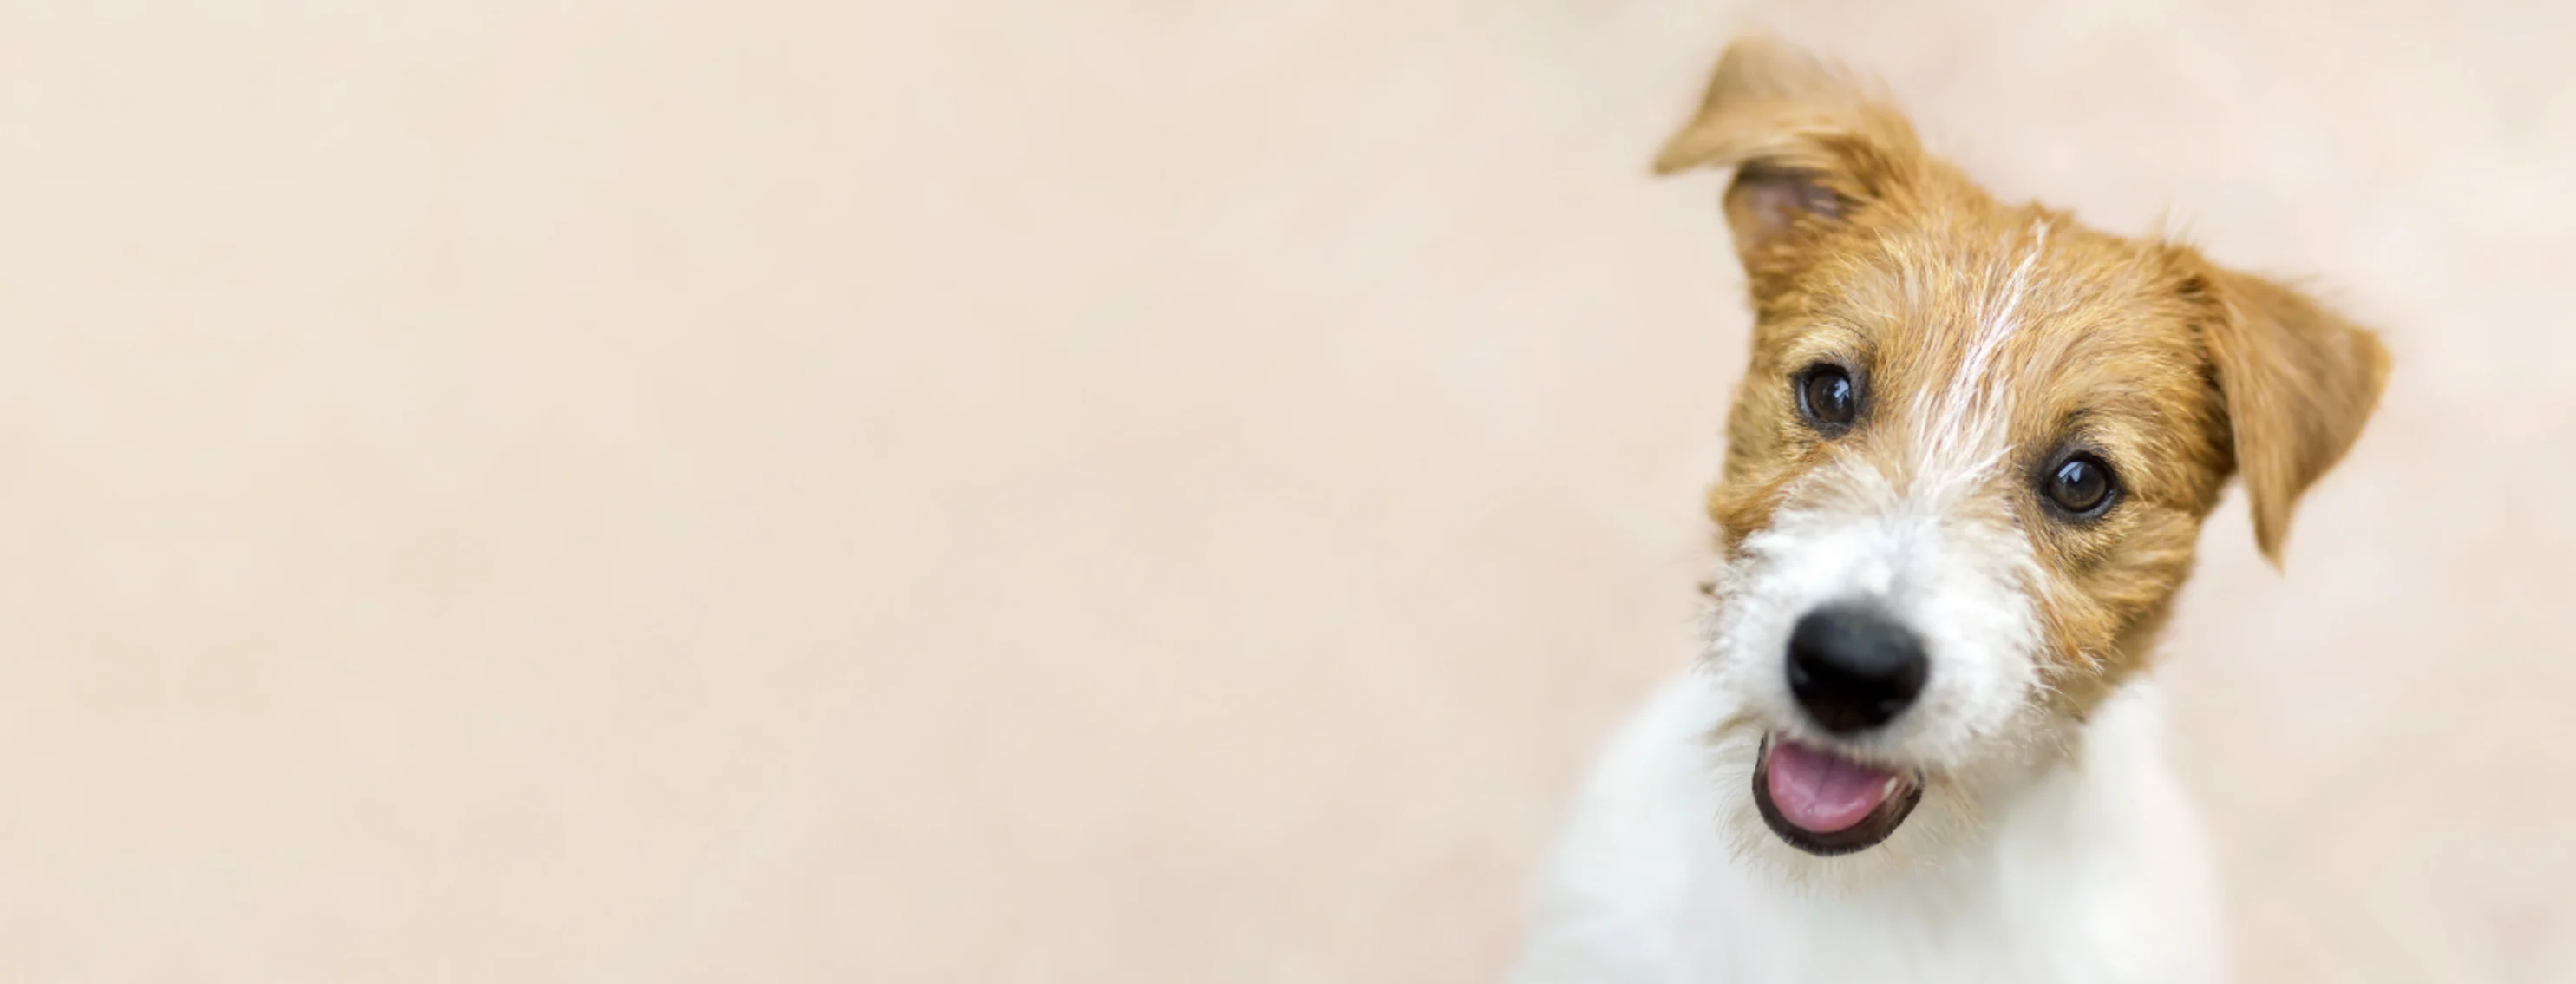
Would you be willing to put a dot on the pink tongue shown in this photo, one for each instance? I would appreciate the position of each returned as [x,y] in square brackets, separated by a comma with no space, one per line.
[1821,791]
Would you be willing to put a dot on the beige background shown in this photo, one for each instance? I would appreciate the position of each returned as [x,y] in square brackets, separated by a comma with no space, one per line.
[1120,490]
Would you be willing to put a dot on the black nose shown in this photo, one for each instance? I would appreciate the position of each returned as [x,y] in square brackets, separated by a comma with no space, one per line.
[1854,668]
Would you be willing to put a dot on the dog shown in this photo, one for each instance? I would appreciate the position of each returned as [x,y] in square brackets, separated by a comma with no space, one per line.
[1965,471]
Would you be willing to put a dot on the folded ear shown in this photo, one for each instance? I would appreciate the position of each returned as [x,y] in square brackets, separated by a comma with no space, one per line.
[2299,382]
[1811,145]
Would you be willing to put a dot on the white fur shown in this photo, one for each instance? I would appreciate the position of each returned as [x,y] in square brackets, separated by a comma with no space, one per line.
[1963,437]
[1925,554]
[2092,871]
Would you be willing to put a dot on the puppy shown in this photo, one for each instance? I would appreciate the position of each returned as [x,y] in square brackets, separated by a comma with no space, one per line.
[1964,475]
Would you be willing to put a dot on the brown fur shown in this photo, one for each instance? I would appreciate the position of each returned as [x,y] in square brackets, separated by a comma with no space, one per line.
[1861,248]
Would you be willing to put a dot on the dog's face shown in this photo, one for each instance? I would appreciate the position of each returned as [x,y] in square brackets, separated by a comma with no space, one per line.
[1968,463]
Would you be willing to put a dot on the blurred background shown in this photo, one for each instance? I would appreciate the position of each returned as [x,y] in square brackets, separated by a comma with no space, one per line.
[1123,491]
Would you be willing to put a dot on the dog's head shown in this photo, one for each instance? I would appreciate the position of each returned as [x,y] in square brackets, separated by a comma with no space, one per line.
[1968,462]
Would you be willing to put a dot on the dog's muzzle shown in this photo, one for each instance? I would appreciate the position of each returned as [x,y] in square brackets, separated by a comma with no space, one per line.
[1852,669]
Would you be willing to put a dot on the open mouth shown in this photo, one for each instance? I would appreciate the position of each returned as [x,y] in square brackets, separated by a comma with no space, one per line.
[1825,804]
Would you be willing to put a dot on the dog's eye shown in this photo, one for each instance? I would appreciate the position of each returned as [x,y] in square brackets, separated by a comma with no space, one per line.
[1828,398]
[2081,485]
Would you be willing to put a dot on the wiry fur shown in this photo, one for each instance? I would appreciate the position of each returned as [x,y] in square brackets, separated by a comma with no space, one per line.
[1988,339]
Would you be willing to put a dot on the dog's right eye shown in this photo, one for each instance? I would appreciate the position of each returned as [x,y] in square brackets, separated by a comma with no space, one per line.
[1828,398]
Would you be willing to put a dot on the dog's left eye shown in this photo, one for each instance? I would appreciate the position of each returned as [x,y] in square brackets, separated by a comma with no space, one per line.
[1828,398]
[2081,484]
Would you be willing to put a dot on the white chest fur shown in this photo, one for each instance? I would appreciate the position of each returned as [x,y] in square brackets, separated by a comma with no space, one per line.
[2095,874]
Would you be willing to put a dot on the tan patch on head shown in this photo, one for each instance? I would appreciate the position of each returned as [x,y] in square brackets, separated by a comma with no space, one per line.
[1990,340]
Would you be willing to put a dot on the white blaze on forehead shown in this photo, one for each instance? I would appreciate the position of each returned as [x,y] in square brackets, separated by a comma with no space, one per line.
[1962,437]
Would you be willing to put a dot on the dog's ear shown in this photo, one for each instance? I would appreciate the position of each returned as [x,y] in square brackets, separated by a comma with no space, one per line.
[1810,144]
[2298,382]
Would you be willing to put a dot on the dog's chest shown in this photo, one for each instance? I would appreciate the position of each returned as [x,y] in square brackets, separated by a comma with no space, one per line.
[1933,931]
